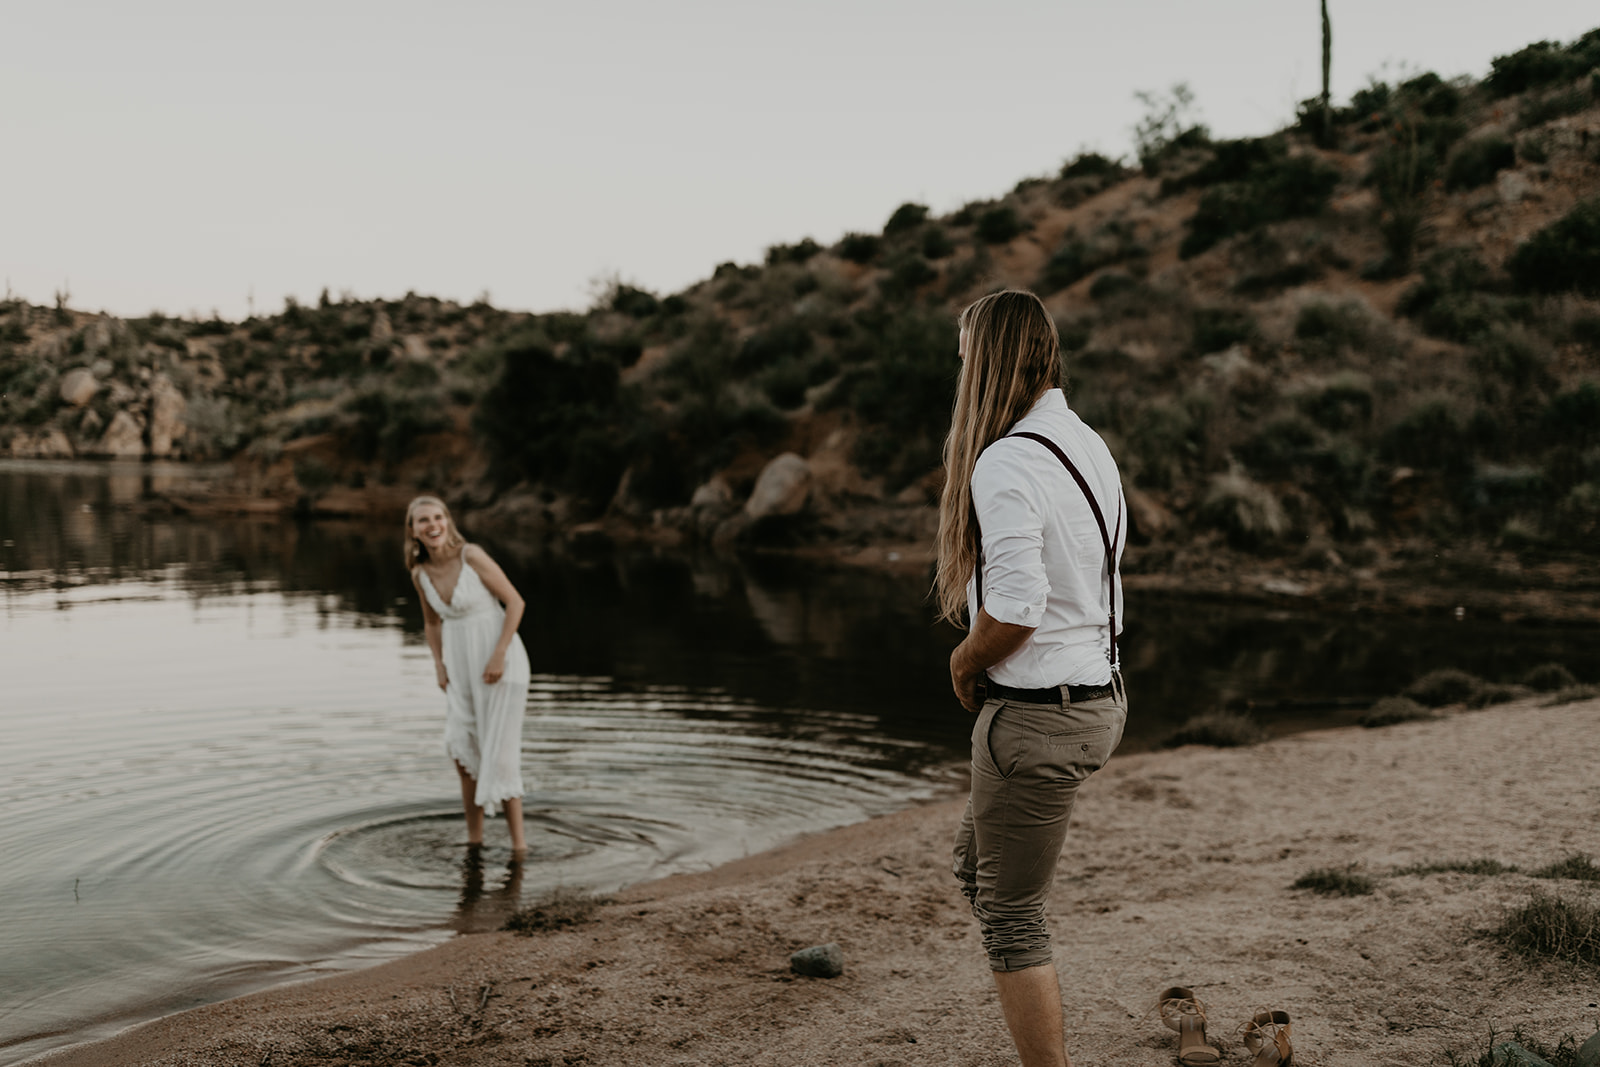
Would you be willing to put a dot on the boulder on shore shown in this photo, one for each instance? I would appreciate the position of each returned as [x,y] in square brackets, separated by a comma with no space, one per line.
[78,386]
[781,489]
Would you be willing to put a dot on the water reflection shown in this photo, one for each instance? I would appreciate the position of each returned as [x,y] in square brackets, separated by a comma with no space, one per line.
[484,906]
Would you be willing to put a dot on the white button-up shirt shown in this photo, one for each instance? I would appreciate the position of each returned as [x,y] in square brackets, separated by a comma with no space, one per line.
[1044,563]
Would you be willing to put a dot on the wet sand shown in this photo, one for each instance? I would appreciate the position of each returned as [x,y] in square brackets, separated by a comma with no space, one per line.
[1177,872]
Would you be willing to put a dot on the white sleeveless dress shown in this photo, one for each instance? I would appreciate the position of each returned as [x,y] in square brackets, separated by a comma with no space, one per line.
[482,723]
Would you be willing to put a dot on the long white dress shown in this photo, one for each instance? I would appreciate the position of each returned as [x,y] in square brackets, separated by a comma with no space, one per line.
[482,723]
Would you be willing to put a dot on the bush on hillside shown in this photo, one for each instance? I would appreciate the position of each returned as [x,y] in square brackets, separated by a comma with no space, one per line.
[900,374]
[1090,165]
[554,421]
[1080,256]
[998,225]
[1246,511]
[908,272]
[906,217]
[799,252]
[1341,404]
[1292,187]
[1220,328]
[1573,416]
[1431,436]
[936,242]
[1326,329]
[859,247]
[1476,162]
[1110,283]
[1558,103]
[1231,161]
[1542,63]
[1563,256]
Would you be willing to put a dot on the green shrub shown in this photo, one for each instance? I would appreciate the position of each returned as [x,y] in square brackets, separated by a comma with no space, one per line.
[555,421]
[1220,328]
[1335,882]
[1552,926]
[1485,867]
[907,273]
[1564,255]
[1279,445]
[1080,256]
[906,217]
[784,383]
[1110,283]
[1325,330]
[635,303]
[1515,355]
[936,242]
[1548,677]
[1572,419]
[1491,693]
[1392,710]
[1293,187]
[1476,162]
[900,374]
[1090,165]
[387,423]
[1576,867]
[784,339]
[1431,436]
[1219,729]
[1554,105]
[1248,512]
[859,247]
[1430,95]
[1344,402]
[998,225]
[312,474]
[1539,64]
[800,252]
[1444,686]
[1231,161]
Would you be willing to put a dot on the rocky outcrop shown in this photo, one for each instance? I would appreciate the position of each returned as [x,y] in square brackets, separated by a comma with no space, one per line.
[46,444]
[123,439]
[782,488]
[167,410]
[78,386]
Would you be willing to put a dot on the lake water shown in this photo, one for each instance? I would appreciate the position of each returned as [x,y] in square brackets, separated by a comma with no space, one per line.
[222,766]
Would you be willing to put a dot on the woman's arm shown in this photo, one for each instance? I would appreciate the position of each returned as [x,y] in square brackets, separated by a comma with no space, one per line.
[432,633]
[495,580]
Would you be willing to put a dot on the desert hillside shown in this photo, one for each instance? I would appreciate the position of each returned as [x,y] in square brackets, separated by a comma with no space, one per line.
[1327,350]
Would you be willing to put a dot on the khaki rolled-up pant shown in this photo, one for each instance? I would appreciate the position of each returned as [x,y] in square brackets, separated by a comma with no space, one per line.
[1028,761]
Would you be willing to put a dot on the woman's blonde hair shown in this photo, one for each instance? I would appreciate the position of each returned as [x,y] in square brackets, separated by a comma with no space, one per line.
[1013,355]
[416,551]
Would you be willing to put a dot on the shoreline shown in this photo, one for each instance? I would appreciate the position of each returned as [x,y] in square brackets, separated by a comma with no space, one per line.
[1176,872]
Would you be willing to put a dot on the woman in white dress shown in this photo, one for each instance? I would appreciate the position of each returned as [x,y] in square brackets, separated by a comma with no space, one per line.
[480,661]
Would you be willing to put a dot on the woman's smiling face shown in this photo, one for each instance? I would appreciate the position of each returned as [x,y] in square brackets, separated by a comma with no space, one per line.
[431,526]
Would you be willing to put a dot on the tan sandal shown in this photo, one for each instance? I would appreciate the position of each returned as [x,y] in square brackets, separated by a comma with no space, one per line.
[1182,1011]
[1267,1038]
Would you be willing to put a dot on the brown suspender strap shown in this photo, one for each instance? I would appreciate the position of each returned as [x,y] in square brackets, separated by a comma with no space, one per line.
[1106,538]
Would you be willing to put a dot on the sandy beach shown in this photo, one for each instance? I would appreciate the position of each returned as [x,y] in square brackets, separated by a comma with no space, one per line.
[1177,872]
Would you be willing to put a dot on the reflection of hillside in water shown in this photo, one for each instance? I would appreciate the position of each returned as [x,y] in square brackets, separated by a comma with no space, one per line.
[774,631]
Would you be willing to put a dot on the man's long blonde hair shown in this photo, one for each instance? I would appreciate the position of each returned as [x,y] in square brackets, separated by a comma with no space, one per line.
[1013,355]
[416,551]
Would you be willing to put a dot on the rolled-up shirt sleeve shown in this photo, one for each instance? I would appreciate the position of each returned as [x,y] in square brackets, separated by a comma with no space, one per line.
[1015,587]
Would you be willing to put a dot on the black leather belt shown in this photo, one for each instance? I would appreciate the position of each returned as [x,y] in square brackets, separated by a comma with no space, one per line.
[1076,694]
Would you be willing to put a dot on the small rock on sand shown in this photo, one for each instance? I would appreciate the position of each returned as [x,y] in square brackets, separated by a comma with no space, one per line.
[818,961]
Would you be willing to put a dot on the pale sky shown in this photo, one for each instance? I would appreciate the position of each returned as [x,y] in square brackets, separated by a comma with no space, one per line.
[182,155]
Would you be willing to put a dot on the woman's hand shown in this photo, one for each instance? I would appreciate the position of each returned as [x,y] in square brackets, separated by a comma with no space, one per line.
[443,675]
[496,667]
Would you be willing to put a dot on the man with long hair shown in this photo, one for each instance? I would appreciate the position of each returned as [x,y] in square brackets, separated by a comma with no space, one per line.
[1030,533]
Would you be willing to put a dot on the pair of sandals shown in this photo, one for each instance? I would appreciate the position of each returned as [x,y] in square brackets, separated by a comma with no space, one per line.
[1266,1035]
